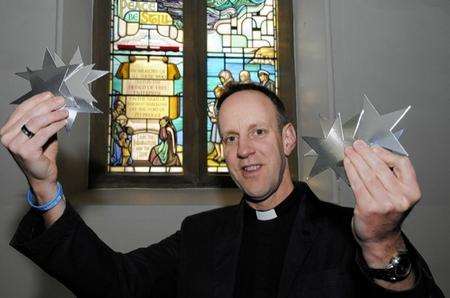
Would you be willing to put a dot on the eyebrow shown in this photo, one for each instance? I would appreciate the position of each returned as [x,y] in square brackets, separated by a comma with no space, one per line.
[252,126]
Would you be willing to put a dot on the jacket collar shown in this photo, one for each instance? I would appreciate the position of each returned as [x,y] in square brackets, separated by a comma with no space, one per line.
[226,245]
[228,236]
[305,230]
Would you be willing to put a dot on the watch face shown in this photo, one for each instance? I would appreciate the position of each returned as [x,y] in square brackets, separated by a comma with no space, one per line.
[402,265]
[397,270]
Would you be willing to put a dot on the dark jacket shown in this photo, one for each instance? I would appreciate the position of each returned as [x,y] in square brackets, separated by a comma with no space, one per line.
[199,261]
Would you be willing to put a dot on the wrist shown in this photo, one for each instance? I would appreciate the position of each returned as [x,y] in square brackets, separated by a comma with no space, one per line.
[44,191]
[48,198]
[378,254]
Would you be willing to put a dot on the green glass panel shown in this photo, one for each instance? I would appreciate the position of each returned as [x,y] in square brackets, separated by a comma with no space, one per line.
[238,41]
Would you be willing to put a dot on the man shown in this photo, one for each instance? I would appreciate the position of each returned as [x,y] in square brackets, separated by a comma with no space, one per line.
[226,78]
[244,77]
[264,80]
[280,241]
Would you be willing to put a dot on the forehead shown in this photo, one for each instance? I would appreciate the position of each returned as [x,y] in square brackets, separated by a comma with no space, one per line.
[247,107]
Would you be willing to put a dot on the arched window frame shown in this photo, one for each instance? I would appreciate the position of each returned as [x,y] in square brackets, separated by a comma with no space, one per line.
[195,112]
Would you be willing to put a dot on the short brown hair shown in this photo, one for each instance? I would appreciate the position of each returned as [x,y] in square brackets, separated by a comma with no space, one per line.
[282,116]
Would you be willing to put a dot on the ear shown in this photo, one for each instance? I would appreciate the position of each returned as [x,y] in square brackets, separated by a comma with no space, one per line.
[289,138]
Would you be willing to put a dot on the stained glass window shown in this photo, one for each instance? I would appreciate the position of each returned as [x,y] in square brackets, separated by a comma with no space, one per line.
[146,87]
[241,47]
[169,61]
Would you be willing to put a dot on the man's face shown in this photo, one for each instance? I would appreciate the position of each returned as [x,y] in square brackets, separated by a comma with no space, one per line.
[243,76]
[122,121]
[119,106]
[263,77]
[253,145]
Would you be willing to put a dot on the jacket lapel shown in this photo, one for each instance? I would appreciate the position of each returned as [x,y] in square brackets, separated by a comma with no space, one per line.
[304,231]
[227,243]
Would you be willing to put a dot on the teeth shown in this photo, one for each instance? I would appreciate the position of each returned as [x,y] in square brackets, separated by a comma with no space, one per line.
[251,168]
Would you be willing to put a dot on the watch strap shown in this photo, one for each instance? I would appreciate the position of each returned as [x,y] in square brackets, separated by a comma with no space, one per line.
[398,269]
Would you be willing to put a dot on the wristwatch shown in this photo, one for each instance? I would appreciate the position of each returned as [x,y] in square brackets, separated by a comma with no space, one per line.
[398,268]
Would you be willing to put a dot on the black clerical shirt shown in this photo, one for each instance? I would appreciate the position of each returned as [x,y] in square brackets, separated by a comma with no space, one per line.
[263,248]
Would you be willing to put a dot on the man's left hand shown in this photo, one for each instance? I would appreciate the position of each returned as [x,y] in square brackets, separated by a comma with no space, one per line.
[386,189]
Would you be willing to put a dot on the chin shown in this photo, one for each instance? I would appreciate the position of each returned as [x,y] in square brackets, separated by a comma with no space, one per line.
[257,196]
[253,187]
[250,190]
[256,193]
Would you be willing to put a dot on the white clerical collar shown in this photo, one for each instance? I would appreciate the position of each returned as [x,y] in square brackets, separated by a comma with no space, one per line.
[266,215]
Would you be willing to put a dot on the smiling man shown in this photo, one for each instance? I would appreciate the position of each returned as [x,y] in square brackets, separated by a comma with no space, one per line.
[280,241]
[257,140]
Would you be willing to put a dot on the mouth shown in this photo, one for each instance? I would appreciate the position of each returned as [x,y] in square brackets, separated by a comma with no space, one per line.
[251,170]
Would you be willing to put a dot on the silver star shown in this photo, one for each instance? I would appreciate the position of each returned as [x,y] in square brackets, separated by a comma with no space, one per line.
[69,81]
[376,129]
[330,149]
[348,129]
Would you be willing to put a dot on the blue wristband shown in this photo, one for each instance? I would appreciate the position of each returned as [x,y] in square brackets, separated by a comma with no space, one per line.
[49,205]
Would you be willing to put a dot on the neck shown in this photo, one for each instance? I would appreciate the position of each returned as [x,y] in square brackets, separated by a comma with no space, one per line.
[284,189]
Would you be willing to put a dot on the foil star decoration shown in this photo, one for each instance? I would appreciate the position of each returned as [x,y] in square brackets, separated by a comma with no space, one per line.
[369,125]
[376,129]
[329,149]
[69,81]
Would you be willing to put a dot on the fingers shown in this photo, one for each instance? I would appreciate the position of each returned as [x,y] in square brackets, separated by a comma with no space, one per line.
[403,169]
[37,123]
[24,108]
[379,167]
[401,164]
[43,107]
[393,192]
[41,121]
[366,174]
[43,135]
[357,185]
[382,199]
[43,116]
[29,154]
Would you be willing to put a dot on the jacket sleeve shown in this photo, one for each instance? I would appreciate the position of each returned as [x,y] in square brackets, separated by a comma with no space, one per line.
[424,286]
[73,254]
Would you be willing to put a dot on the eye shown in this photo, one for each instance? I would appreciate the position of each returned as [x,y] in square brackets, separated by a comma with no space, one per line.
[259,132]
[230,139]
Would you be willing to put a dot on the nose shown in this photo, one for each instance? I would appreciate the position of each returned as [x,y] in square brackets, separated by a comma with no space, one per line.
[245,148]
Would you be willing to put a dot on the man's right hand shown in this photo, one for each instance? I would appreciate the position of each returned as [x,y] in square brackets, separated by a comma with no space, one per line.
[43,114]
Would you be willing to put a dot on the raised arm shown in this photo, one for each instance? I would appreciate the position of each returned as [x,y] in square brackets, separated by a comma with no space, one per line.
[386,189]
[58,240]
[30,137]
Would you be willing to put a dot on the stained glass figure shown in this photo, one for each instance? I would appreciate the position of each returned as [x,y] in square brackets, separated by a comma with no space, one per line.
[241,47]
[146,87]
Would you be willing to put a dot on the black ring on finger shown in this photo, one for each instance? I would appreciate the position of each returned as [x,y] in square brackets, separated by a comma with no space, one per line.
[26,131]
